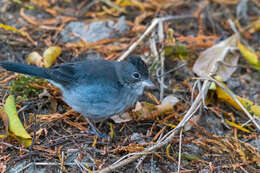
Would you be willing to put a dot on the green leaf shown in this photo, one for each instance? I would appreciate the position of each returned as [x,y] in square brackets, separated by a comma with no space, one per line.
[15,127]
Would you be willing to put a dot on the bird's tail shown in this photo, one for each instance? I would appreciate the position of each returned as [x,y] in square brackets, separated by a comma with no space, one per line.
[25,69]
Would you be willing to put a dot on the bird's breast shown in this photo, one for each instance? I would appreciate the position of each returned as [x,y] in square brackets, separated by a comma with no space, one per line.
[99,101]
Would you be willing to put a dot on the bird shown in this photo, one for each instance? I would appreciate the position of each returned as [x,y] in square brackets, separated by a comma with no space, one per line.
[96,88]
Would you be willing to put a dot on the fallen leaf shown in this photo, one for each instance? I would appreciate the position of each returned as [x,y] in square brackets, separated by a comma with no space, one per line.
[249,55]
[237,126]
[48,58]
[5,120]
[15,127]
[147,111]
[35,58]
[210,60]
[125,117]
[10,28]
[249,105]
[50,55]
[255,26]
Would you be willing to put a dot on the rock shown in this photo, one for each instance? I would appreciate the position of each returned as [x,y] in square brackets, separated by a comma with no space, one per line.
[94,31]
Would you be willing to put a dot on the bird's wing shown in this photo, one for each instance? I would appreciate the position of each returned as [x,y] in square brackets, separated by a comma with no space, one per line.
[86,72]
[63,73]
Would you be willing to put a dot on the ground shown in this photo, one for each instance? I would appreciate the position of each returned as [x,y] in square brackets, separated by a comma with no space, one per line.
[218,138]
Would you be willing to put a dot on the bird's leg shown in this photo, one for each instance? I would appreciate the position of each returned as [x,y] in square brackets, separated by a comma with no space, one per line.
[93,130]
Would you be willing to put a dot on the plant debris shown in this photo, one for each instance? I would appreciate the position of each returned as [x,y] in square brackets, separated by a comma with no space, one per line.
[192,121]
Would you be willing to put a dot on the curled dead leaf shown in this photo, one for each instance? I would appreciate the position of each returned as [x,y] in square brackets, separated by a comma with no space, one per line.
[50,55]
[125,117]
[208,62]
[48,58]
[35,58]
[147,111]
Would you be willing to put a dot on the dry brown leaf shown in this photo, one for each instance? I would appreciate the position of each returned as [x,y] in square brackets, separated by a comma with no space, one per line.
[210,60]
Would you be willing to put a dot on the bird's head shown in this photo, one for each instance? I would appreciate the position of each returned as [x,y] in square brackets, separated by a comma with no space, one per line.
[133,73]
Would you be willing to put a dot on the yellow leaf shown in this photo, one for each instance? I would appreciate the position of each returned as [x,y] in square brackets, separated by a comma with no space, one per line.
[42,3]
[113,5]
[170,125]
[50,55]
[5,120]
[255,26]
[168,148]
[237,126]
[3,136]
[16,128]
[10,28]
[95,141]
[249,105]
[112,132]
[126,3]
[248,54]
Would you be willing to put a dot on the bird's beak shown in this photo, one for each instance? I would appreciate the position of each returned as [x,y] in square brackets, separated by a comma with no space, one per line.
[148,83]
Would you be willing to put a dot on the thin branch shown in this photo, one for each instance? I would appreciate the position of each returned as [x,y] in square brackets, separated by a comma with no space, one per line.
[237,101]
[167,138]
[149,30]
[179,158]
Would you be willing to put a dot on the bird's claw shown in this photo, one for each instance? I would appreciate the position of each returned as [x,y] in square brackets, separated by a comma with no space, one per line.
[94,131]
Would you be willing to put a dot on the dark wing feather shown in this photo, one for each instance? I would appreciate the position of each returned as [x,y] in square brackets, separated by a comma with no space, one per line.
[63,73]
[87,72]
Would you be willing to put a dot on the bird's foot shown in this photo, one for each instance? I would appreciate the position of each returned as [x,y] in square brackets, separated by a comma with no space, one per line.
[94,131]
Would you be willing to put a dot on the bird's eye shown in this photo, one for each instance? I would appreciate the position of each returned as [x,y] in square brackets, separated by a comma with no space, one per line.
[136,75]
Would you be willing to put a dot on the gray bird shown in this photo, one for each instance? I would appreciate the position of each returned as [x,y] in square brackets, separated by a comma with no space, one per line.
[97,89]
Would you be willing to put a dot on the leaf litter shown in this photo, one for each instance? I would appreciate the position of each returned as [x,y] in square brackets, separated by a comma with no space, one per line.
[222,136]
